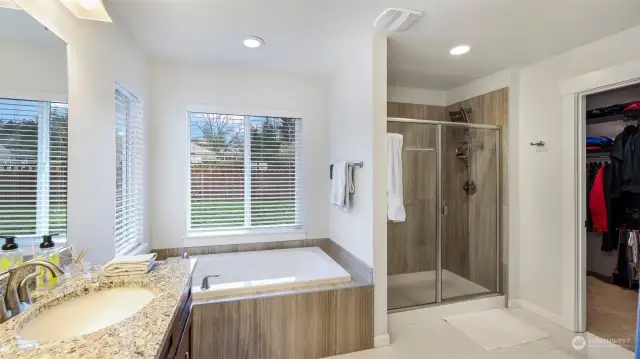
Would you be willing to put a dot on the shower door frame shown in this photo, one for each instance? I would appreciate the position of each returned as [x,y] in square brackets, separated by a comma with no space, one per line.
[441,211]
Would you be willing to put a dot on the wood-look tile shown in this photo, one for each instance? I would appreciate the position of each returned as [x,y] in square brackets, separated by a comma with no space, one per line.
[480,214]
[361,273]
[230,248]
[412,244]
[354,319]
[310,326]
[470,228]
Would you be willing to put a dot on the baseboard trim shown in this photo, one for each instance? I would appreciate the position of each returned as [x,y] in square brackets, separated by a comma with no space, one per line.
[537,310]
[381,341]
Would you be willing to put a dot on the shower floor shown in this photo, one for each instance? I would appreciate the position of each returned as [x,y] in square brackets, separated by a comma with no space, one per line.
[412,289]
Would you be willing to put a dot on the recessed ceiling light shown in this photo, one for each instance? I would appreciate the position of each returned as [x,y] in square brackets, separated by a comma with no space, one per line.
[253,42]
[460,50]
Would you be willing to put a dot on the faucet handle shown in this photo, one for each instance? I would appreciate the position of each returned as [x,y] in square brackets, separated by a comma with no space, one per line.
[23,288]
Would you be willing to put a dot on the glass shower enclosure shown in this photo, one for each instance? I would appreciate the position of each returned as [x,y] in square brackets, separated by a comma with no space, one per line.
[448,248]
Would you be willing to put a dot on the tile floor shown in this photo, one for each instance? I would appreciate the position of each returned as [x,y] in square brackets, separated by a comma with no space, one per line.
[611,321]
[412,289]
[439,340]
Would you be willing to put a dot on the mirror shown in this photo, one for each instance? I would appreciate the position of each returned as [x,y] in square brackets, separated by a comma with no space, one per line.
[33,132]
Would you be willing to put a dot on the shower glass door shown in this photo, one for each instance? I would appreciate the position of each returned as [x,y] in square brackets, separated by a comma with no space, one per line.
[471,211]
[412,245]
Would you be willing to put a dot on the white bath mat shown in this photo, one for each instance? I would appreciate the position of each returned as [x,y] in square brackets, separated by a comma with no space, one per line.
[495,329]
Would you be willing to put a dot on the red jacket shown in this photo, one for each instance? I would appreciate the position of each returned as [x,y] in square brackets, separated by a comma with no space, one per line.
[597,203]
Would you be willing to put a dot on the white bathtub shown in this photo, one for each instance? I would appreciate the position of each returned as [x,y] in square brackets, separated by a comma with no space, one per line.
[260,271]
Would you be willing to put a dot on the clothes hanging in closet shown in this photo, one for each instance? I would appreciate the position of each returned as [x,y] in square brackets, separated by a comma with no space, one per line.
[627,269]
[597,203]
[624,187]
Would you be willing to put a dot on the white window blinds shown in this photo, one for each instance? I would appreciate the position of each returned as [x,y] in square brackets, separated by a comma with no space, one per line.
[129,172]
[243,172]
[33,167]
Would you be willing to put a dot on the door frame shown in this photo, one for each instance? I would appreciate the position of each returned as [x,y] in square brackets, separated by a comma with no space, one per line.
[574,92]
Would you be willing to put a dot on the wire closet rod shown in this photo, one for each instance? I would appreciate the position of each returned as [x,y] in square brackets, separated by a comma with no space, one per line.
[443,123]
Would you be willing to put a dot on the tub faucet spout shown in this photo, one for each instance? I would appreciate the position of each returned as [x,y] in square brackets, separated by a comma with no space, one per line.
[205,280]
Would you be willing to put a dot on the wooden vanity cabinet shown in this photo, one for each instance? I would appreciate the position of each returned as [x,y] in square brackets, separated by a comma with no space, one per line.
[184,348]
[178,343]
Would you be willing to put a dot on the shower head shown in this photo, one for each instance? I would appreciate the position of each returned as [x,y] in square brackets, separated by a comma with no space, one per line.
[461,115]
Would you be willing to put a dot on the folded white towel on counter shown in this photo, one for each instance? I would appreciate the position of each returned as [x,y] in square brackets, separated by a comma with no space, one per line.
[395,185]
[130,265]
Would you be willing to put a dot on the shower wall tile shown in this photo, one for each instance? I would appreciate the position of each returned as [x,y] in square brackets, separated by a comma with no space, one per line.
[479,244]
[412,244]
[470,227]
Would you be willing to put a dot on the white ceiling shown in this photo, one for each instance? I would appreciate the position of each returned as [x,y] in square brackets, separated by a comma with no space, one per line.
[300,35]
[502,33]
[305,35]
[19,27]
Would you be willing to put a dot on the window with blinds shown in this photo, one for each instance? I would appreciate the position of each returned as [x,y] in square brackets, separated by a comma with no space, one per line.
[243,172]
[33,168]
[129,173]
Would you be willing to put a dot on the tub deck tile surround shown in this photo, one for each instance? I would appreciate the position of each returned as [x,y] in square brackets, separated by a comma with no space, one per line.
[309,322]
[302,325]
[139,336]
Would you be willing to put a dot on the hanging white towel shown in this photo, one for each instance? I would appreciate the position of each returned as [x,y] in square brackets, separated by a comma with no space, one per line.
[339,184]
[342,186]
[395,200]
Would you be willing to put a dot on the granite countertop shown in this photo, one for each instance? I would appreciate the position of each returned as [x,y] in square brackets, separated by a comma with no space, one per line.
[139,336]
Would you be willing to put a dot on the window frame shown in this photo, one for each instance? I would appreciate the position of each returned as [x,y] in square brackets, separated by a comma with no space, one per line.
[142,245]
[242,235]
[43,166]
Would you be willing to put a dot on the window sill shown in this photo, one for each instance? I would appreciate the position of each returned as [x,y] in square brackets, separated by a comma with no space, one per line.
[244,236]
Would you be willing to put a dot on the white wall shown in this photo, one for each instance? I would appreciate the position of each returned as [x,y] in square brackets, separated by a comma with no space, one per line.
[175,86]
[98,56]
[416,96]
[33,72]
[544,200]
[358,111]
[351,139]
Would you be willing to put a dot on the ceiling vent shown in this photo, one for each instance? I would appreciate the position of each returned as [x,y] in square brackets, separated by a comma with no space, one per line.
[397,20]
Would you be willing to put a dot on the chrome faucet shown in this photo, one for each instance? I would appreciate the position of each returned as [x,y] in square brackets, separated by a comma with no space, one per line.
[205,280]
[15,303]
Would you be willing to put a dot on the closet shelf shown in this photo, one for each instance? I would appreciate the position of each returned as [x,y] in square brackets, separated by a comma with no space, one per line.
[603,119]
[604,114]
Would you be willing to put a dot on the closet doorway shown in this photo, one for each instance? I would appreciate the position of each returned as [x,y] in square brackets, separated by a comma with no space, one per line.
[612,216]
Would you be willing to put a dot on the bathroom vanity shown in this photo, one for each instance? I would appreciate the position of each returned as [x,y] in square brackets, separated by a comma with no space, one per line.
[143,316]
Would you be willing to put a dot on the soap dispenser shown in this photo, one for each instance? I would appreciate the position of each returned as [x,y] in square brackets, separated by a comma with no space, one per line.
[49,253]
[11,255]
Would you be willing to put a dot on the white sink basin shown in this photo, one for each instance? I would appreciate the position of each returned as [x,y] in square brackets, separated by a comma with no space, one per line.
[86,314]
